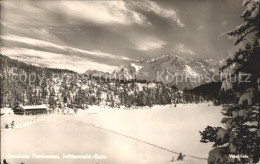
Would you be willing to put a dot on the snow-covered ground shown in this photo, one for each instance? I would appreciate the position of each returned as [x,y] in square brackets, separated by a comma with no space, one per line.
[148,135]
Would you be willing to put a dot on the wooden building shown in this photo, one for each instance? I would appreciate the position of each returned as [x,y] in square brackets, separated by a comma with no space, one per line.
[31,110]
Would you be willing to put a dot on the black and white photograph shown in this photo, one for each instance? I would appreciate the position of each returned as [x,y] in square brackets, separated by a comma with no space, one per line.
[129,82]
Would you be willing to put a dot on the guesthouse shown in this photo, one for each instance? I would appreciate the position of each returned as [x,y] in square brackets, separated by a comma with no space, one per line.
[31,110]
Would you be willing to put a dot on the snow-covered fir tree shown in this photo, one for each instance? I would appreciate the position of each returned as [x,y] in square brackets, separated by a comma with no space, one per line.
[241,132]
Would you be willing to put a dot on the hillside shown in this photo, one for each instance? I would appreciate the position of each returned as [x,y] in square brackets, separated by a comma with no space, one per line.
[28,85]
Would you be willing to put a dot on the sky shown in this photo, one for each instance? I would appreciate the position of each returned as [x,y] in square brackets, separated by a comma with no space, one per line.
[104,34]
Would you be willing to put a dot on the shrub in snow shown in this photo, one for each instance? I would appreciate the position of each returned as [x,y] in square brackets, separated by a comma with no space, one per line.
[180,157]
[12,124]
[173,159]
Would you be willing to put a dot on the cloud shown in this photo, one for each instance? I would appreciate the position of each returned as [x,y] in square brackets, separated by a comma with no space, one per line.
[147,43]
[200,28]
[151,6]
[115,12]
[224,23]
[100,12]
[182,49]
[115,32]
[40,43]
[30,41]
[54,60]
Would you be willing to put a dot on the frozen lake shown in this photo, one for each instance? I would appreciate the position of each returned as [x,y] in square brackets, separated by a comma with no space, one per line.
[105,135]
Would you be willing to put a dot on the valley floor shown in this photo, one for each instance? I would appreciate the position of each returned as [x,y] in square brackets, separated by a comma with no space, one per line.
[148,135]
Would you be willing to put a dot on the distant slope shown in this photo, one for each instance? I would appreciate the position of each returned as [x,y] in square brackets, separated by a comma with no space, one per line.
[210,90]
[29,85]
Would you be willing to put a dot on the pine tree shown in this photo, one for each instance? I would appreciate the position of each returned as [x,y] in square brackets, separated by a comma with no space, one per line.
[98,94]
[112,101]
[241,135]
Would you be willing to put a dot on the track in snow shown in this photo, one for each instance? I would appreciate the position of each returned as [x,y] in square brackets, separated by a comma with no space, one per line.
[82,123]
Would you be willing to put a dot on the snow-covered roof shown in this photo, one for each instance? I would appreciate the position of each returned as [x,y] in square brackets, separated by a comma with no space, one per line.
[33,107]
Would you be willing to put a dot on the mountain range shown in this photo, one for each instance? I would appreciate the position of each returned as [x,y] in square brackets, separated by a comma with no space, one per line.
[183,72]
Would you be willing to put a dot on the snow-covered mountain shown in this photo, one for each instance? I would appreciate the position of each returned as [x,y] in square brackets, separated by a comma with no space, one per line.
[184,72]
[92,72]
